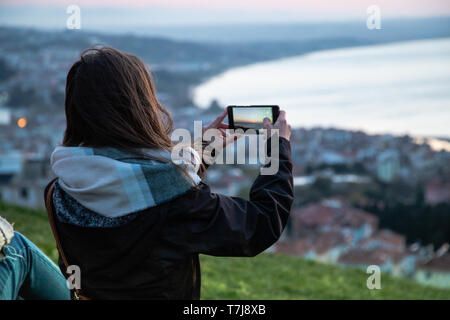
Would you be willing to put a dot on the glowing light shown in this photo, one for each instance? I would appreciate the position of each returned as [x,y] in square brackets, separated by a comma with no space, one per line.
[22,122]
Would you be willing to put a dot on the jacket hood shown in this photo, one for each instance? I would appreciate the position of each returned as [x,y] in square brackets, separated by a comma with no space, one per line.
[114,183]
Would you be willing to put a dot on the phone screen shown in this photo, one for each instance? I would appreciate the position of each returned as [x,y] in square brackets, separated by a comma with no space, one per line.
[251,118]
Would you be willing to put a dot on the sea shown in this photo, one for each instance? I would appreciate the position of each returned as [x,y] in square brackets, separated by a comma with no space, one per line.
[396,88]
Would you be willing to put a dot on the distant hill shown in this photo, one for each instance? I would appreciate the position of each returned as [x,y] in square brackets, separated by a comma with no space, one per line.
[226,45]
[267,276]
[166,52]
[391,30]
[182,57]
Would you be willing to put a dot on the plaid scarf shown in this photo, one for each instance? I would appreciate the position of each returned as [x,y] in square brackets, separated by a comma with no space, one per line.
[114,183]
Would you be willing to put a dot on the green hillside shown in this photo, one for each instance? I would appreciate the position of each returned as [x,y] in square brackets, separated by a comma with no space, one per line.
[264,277]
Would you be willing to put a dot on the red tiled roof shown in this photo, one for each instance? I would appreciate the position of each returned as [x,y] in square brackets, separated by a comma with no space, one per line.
[391,237]
[368,257]
[437,192]
[441,263]
[386,238]
[329,240]
[314,214]
[294,247]
[320,215]
[319,243]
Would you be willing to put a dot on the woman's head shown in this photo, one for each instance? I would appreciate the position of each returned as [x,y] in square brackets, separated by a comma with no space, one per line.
[111,102]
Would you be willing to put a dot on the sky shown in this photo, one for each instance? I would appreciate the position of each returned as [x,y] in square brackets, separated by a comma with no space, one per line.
[120,13]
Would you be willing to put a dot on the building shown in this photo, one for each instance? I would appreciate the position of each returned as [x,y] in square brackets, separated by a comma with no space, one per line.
[437,192]
[435,272]
[385,239]
[388,165]
[332,232]
[27,187]
[332,215]
[362,258]
[10,166]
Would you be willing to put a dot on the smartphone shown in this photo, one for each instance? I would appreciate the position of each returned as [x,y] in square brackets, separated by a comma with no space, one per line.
[251,117]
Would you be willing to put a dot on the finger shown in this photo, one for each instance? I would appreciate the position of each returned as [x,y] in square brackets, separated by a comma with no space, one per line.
[229,139]
[281,117]
[224,126]
[266,123]
[223,133]
[219,119]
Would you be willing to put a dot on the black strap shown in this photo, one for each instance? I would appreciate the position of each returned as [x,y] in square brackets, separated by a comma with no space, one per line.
[76,294]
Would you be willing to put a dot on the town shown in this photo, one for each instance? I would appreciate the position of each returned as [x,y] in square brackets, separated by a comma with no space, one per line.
[351,188]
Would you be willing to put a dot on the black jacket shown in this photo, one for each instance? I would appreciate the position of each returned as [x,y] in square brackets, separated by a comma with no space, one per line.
[155,256]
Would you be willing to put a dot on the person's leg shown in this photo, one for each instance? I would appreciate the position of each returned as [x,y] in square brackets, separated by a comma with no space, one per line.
[13,269]
[26,272]
[44,280]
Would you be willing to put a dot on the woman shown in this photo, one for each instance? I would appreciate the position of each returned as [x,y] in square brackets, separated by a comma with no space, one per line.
[127,215]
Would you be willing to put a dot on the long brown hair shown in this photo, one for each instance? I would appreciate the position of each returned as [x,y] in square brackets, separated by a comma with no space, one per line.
[111,102]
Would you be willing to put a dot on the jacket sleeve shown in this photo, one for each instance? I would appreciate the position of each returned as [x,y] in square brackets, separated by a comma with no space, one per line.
[214,224]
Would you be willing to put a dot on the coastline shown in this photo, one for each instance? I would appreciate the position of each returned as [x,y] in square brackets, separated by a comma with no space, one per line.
[438,140]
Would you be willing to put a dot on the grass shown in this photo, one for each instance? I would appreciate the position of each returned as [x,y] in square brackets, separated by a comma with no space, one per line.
[266,276]
[33,224]
[271,276]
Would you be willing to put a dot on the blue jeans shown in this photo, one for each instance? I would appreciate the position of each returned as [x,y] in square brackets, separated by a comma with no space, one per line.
[27,273]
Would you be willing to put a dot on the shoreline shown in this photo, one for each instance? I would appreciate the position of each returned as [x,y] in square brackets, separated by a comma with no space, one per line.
[437,140]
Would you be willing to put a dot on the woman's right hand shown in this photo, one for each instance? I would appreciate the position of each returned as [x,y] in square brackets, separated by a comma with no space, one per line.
[281,124]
